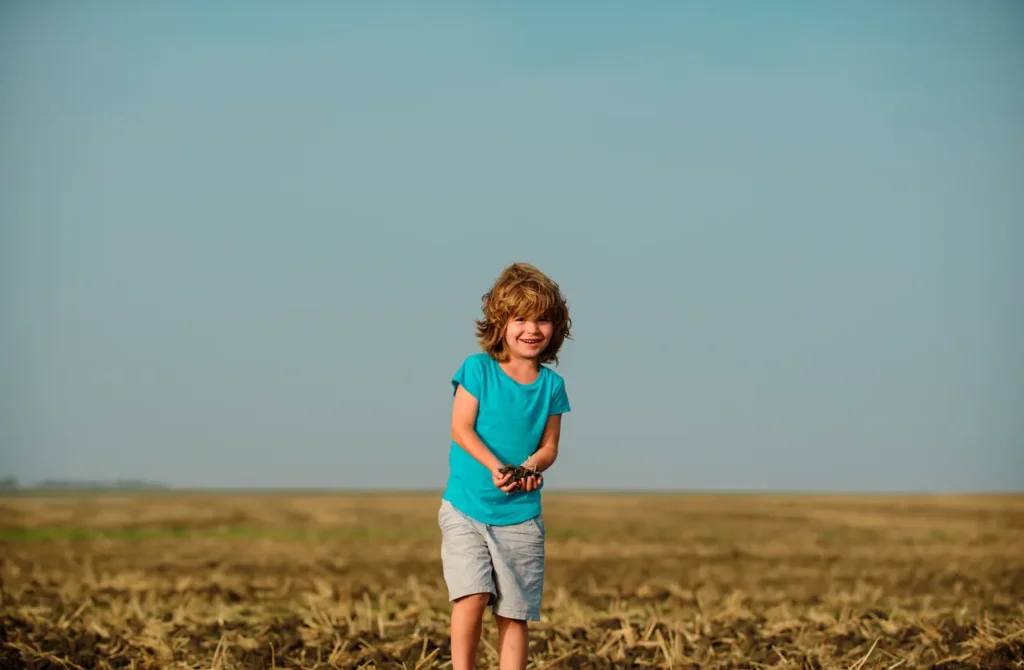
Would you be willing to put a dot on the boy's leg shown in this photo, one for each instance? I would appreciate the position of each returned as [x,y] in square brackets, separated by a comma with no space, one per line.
[466,562]
[467,619]
[513,643]
[517,552]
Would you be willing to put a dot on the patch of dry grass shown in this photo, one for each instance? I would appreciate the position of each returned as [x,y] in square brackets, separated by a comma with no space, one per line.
[633,581]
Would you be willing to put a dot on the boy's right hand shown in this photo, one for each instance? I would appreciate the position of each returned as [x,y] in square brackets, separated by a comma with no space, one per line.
[502,480]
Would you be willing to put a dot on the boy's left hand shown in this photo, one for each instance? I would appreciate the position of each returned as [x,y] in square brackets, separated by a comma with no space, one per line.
[531,483]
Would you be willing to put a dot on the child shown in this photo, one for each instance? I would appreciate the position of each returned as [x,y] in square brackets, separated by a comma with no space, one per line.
[507,411]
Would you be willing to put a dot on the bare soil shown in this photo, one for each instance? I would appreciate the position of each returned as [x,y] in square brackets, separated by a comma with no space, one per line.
[195,581]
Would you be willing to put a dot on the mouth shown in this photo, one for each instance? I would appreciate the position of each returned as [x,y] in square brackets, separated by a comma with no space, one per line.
[531,342]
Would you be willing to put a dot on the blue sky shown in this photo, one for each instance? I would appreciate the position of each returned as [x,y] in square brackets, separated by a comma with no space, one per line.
[243,244]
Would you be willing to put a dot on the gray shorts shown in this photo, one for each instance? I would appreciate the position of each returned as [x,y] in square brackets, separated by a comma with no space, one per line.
[505,561]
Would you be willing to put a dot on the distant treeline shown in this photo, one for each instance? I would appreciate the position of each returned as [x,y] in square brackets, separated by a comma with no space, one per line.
[8,483]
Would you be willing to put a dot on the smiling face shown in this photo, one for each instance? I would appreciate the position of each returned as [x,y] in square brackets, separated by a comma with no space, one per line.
[525,316]
[526,338]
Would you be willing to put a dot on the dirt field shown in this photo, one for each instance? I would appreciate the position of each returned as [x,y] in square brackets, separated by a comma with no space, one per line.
[192,581]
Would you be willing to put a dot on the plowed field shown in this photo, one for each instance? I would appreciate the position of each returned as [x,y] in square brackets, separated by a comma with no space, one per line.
[235,581]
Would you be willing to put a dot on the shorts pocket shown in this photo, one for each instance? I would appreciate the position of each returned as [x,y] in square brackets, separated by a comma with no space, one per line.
[449,517]
[528,537]
[444,515]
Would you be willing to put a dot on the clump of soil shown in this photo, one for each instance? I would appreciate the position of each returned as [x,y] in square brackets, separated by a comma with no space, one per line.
[519,473]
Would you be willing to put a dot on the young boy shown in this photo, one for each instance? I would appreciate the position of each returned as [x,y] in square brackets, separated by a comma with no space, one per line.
[507,411]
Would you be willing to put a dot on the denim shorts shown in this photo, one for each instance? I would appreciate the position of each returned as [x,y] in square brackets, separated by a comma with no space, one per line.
[504,561]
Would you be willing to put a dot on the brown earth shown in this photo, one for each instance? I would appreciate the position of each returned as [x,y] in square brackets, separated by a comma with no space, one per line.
[234,581]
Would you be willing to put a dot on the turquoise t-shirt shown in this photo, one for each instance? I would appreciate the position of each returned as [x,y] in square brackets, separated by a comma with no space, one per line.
[510,421]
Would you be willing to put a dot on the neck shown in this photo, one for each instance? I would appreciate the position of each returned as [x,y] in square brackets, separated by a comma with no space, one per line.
[521,366]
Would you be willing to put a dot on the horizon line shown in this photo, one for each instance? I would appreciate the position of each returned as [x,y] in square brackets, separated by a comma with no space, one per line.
[158,489]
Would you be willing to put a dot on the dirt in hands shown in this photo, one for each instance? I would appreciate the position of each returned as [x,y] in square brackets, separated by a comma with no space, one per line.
[518,473]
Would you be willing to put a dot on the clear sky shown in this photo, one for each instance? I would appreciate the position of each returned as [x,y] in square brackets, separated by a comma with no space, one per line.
[243,243]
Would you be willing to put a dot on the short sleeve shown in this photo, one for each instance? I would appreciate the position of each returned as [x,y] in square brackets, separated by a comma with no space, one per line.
[469,376]
[559,399]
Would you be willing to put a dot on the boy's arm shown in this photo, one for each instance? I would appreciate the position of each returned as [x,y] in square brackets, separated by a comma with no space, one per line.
[547,452]
[464,410]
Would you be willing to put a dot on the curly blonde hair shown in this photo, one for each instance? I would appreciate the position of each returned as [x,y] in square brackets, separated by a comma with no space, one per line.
[524,291]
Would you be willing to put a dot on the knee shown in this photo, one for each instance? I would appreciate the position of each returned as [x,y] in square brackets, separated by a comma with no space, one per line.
[475,601]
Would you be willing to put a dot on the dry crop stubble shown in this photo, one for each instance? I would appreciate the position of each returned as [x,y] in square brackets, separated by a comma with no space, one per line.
[179,581]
